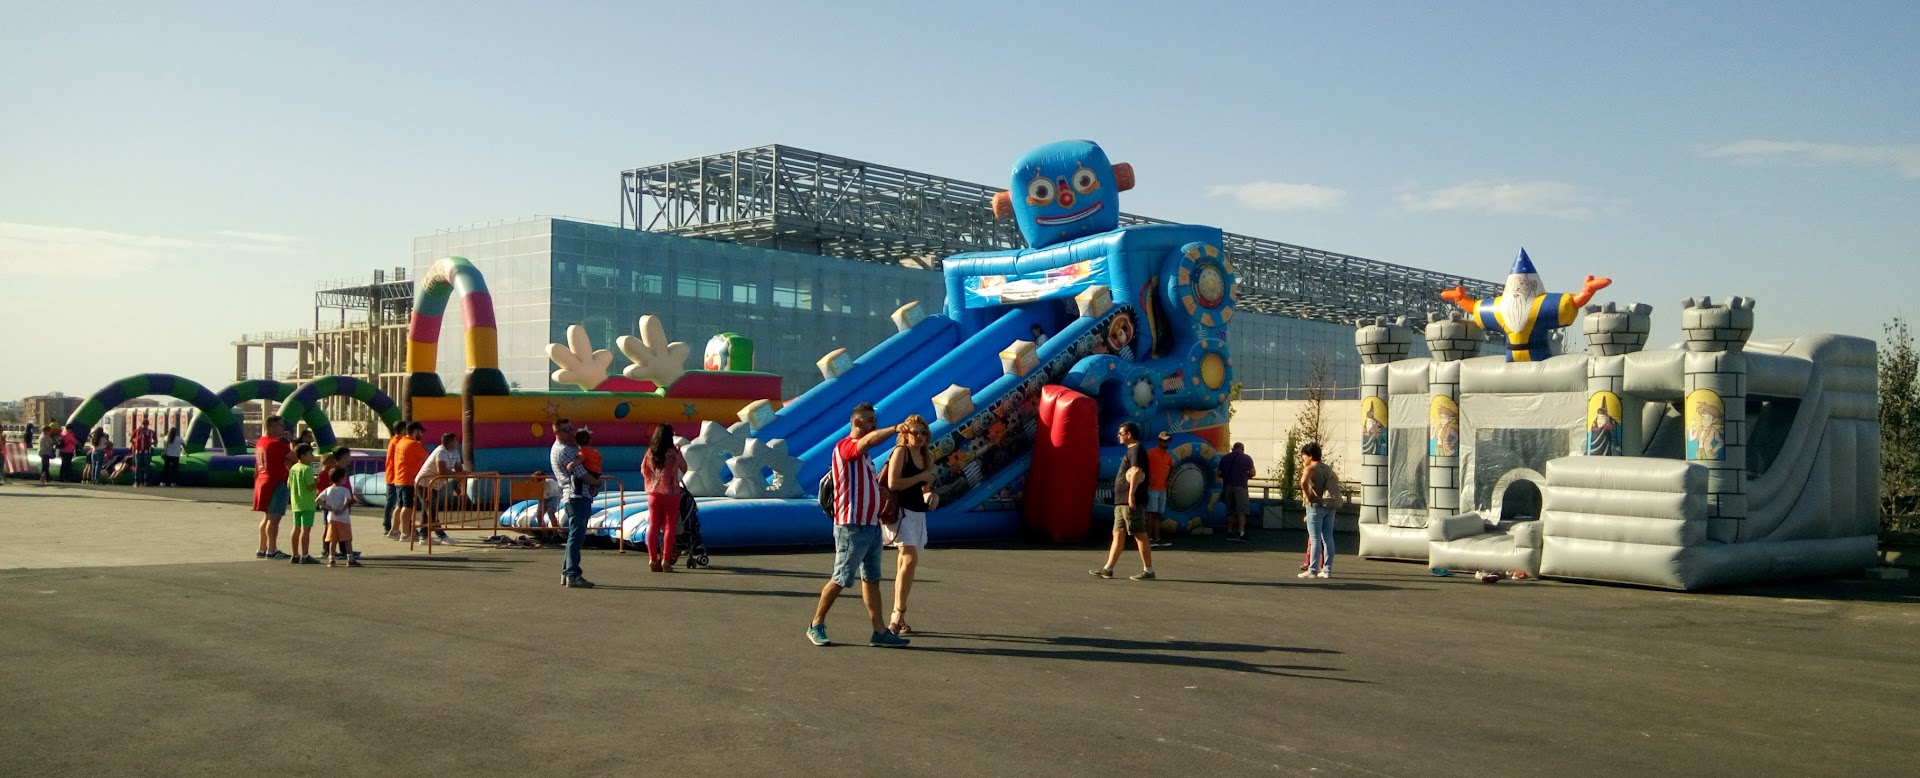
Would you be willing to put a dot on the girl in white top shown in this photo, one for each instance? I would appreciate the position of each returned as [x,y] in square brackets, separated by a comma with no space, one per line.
[336,502]
[170,457]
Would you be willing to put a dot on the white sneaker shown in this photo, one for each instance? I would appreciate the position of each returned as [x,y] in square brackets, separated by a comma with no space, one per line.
[1322,574]
[1308,574]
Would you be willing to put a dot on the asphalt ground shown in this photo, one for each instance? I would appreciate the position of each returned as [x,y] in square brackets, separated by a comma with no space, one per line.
[141,637]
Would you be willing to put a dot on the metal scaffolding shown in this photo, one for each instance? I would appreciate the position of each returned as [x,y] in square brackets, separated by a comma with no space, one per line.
[798,200]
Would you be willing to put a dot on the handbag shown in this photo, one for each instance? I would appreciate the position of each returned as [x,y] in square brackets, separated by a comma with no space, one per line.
[889,505]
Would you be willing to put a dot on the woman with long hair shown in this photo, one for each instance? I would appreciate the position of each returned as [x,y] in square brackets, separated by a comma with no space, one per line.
[909,475]
[170,458]
[49,449]
[661,468]
[97,459]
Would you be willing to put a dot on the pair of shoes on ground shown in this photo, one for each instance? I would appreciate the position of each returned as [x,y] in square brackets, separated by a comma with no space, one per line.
[817,634]
[1144,575]
[1314,574]
[1242,537]
[274,554]
[1161,544]
[660,567]
[304,560]
[575,582]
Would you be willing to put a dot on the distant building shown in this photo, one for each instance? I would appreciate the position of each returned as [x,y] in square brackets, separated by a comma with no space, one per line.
[44,408]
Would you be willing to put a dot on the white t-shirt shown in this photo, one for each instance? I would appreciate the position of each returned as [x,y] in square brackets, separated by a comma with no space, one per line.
[553,489]
[175,447]
[334,500]
[442,460]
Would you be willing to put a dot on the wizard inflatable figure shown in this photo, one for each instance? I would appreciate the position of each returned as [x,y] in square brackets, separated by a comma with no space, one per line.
[1525,313]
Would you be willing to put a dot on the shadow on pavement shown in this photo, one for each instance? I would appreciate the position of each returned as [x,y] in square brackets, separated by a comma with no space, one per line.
[811,595]
[1315,583]
[1085,649]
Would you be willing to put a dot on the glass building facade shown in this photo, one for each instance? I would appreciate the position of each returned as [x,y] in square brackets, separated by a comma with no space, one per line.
[546,274]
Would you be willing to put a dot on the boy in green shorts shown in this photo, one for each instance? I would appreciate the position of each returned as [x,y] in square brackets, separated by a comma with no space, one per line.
[300,489]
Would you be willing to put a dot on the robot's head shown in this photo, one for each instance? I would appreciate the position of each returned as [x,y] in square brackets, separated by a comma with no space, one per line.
[1063,191]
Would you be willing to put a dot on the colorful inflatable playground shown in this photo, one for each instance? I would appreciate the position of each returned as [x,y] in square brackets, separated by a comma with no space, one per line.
[1715,462]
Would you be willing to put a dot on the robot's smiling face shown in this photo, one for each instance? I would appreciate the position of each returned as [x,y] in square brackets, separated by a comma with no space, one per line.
[1063,191]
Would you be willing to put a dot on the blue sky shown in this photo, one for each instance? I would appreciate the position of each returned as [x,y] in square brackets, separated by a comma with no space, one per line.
[179,174]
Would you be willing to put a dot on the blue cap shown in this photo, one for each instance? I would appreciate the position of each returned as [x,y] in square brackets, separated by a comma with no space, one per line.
[1523,265]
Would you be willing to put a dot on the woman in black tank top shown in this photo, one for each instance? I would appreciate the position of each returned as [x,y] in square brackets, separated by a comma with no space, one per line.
[909,475]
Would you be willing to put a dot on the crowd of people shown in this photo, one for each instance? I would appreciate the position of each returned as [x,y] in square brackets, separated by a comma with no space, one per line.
[871,509]
[96,460]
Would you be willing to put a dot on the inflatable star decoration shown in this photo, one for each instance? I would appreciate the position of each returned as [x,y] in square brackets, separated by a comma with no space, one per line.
[761,456]
[706,454]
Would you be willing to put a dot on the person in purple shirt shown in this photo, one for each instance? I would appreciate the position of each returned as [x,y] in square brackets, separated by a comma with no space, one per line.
[1236,469]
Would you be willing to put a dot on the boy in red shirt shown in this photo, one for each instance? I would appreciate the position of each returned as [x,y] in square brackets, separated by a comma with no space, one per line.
[271,458]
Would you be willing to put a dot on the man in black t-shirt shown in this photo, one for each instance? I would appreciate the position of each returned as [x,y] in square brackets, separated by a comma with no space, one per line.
[1129,502]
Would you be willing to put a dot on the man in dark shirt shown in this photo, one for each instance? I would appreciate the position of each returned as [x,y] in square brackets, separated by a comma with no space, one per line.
[1129,500]
[1236,469]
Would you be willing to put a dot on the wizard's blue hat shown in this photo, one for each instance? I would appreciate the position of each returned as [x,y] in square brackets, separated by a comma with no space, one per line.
[1523,265]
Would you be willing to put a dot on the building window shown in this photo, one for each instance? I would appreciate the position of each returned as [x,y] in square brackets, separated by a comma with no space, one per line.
[790,297]
[598,277]
[697,287]
[746,294]
[650,283]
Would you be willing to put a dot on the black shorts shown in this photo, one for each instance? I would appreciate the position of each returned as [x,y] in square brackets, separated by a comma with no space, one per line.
[401,495]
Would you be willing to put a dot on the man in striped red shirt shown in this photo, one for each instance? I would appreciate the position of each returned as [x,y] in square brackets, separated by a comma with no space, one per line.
[856,529]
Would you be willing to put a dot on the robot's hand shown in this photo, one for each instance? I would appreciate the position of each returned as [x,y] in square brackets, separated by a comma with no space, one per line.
[654,359]
[580,365]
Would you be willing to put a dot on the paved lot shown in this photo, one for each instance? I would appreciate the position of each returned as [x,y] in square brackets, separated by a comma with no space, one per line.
[142,637]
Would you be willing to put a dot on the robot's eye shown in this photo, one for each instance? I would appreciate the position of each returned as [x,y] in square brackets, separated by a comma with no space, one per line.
[1085,181]
[1039,192]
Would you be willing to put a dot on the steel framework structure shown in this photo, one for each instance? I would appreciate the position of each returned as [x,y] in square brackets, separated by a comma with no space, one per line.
[798,200]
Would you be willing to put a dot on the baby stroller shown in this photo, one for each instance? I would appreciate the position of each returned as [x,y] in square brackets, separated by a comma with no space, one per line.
[687,540]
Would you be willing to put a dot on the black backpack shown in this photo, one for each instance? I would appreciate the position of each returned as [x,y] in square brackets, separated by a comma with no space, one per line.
[826,493]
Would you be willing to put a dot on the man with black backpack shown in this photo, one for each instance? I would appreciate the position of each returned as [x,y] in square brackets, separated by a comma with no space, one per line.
[856,528]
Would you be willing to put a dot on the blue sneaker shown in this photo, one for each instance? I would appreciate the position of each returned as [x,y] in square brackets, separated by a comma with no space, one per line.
[818,634]
[887,639]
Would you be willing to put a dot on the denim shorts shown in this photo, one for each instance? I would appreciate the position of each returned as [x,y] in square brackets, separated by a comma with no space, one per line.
[1156,501]
[856,545]
[401,495]
[277,504]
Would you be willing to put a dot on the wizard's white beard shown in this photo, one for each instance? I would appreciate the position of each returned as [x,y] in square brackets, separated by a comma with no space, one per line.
[1517,299]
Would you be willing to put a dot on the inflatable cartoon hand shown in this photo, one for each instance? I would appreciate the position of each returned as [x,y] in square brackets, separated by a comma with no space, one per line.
[654,359]
[580,365]
[1457,295]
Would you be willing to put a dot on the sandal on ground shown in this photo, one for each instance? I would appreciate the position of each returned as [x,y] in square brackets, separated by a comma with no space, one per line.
[899,624]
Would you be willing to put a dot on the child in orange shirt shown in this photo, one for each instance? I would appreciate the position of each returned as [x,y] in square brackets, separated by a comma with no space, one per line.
[589,459]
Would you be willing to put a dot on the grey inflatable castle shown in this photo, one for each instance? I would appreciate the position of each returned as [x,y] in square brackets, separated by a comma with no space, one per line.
[1714,462]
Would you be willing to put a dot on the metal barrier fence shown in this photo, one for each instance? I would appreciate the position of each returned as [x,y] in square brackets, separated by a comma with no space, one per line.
[473,502]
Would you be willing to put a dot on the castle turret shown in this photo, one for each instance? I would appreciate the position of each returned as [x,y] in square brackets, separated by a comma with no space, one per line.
[1716,405]
[1381,342]
[1612,332]
[1451,336]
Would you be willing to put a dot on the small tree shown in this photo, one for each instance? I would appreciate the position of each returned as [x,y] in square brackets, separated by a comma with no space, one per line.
[1287,470]
[1311,424]
[1233,400]
[1899,429]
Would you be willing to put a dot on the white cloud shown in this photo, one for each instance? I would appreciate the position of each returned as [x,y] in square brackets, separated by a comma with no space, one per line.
[1904,160]
[55,251]
[258,237]
[1556,199]
[1281,196]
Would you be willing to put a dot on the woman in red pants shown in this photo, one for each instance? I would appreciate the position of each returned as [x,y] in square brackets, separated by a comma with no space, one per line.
[662,468]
